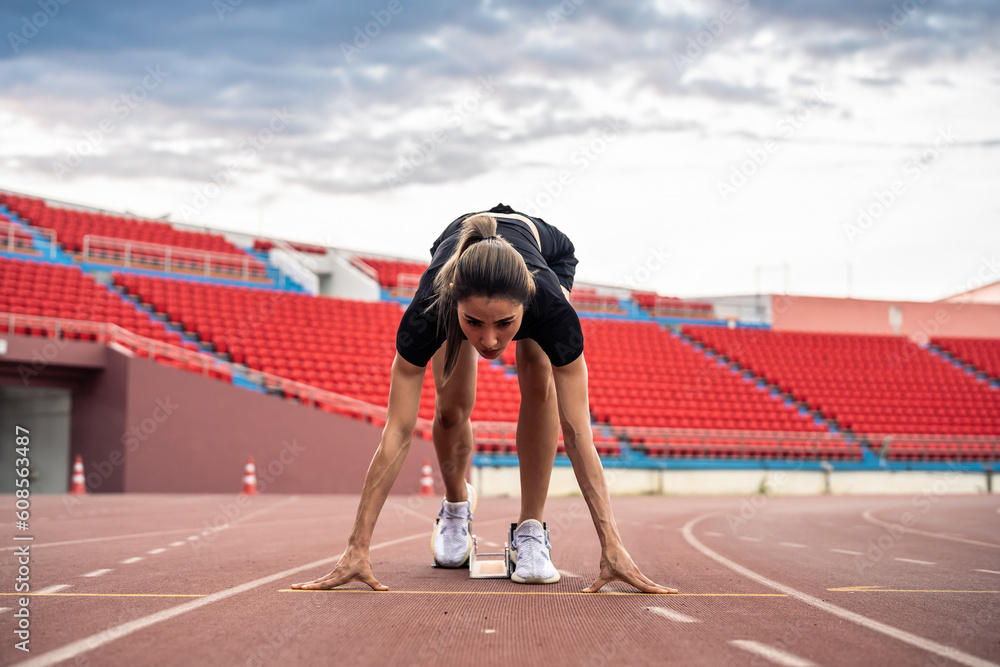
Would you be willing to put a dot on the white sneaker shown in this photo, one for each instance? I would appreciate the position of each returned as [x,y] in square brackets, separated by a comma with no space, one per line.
[531,551]
[451,540]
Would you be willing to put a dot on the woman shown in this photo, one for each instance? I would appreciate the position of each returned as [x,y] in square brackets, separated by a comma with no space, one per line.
[494,277]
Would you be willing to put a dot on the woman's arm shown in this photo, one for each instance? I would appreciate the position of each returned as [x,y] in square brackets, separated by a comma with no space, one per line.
[404,403]
[574,413]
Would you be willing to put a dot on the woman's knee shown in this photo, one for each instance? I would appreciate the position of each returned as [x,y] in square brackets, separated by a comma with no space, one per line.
[452,413]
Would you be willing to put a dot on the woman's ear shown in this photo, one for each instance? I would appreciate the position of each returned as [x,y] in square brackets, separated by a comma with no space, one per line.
[451,285]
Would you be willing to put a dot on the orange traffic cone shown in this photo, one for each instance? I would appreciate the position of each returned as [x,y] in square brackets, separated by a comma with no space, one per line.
[78,485]
[426,480]
[249,478]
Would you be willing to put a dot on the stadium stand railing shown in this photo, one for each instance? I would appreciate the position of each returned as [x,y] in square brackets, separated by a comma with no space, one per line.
[170,259]
[670,306]
[364,267]
[589,300]
[151,240]
[266,245]
[932,448]
[14,239]
[740,444]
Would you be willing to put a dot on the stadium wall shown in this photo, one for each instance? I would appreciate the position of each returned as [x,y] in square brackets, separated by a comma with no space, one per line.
[985,294]
[918,321]
[503,481]
[141,426]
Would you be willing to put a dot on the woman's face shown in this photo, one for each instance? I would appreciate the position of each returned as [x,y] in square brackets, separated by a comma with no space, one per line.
[489,324]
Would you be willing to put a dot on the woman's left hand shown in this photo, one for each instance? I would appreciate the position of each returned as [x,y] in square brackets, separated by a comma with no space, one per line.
[617,565]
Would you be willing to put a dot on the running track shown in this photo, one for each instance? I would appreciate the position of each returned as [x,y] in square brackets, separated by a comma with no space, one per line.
[204,580]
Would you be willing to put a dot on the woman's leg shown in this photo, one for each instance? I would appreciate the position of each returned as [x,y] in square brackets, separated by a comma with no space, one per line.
[452,429]
[537,427]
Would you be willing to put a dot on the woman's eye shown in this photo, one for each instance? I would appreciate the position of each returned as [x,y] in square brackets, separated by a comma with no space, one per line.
[504,325]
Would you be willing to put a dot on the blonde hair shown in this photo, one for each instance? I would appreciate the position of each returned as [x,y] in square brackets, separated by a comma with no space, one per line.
[483,264]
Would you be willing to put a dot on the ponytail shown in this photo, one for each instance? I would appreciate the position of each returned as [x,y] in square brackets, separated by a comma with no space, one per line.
[483,264]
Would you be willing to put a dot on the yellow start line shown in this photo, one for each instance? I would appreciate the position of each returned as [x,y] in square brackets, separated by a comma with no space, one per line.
[591,595]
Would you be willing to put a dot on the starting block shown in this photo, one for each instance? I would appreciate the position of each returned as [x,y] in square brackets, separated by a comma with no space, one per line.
[489,565]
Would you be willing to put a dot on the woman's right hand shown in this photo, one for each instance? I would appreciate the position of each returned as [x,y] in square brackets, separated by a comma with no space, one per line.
[354,565]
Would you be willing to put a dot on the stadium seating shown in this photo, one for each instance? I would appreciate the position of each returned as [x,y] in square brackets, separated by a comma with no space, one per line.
[587,299]
[670,306]
[873,385]
[51,290]
[644,380]
[641,375]
[338,345]
[983,353]
[264,245]
[389,270]
[649,388]
[153,239]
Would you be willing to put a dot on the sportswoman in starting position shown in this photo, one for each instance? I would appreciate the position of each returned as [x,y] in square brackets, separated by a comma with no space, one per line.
[494,277]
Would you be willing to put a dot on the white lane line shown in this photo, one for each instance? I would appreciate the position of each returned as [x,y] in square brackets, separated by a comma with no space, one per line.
[80,646]
[918,562]
[771,653]
[672,615]
[715,534]
[194,538]
[129,561]
[100,539]
[867,514]
[52,589]
[90,540]
[3,609]
[97,573]
[948,652]
[570,575]
[750,539]
[157,551]
[178,544]
[988,571]
[845,551]
[794,545]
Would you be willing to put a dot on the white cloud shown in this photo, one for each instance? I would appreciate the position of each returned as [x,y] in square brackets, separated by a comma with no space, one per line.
[655,184]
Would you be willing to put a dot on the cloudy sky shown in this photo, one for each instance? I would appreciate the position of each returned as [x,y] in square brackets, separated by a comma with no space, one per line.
[827,147]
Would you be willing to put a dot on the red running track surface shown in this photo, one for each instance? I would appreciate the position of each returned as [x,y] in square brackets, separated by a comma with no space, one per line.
[204,580]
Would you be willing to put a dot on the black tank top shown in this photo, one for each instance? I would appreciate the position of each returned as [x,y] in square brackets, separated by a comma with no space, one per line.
[549,319]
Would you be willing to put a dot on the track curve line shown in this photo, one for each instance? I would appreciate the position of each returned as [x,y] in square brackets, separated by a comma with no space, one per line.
[865,622]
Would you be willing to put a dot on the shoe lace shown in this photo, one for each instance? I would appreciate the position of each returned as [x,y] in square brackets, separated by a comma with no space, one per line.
[461,514]
[541,539]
